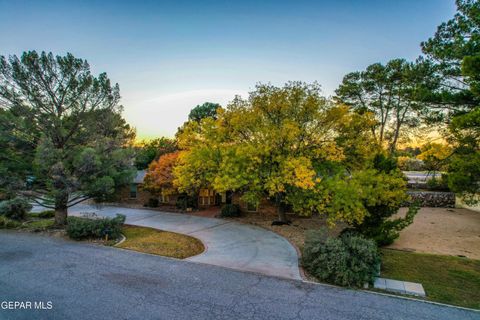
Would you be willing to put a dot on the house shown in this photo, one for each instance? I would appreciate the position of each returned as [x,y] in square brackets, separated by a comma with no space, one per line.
[134,193]
[207,197]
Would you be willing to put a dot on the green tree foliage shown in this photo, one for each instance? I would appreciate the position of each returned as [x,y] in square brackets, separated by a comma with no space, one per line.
[17,150]
[16,208]
[455,48]
[150,150]
[394,93]
[66,126]
[208,109]
[386,194]
[464,167]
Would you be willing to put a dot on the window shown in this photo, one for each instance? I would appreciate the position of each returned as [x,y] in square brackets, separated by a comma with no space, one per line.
[206,197]
[133,191]
[164,198]
[206,201]
[252,207]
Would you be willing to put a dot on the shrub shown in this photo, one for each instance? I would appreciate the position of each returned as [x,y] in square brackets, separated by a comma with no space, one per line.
[386,193]
[47,214]
[6,223]
[379,227]
[384,163]
[16,208]
[402,162]
[410,164]
[152,203]
[437,184]
[349,260]
[84,228]
[230,210]
[185,201]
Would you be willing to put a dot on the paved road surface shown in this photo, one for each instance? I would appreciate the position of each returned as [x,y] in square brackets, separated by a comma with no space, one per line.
[85,281]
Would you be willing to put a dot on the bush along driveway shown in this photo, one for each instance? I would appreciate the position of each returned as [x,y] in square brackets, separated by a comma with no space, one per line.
[227,243]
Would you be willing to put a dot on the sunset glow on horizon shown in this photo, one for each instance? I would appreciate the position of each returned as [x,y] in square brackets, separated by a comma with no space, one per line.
[170,56]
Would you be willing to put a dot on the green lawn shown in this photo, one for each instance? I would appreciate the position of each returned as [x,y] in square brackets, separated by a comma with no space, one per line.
[38,225]
[159,242]
[446,279]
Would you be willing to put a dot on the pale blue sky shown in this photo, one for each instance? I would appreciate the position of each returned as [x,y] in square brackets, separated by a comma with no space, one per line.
[169,56]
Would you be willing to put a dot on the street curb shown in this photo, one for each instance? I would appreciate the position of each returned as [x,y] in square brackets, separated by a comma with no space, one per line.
[309,282]
[121,240]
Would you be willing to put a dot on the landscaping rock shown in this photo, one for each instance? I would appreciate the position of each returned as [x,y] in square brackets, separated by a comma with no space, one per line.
[432,199]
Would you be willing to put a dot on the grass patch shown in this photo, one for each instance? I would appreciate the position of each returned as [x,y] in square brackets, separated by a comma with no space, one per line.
[446,279]
[163,243]
[43,215]
[38,225]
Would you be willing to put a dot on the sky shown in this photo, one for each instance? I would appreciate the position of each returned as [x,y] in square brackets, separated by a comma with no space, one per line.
[169,56]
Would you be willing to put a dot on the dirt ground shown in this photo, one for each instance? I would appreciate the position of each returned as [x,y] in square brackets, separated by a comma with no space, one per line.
[435,230]
[442,231]
[295,232]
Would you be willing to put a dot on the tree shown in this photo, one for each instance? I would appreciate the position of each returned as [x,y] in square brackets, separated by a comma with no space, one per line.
[280,143]
[356,141]
[455,48]
[148,151]
[381,191]
[78,141]
[464,166]
[435,155]
[17,152]
[208,109]
[394,93]
[159,177]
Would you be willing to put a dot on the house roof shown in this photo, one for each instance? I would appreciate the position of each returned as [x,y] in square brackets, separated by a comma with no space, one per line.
[139,176]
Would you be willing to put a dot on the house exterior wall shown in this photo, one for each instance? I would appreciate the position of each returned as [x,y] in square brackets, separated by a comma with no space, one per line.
[141,199]
[168,200]
[208,198]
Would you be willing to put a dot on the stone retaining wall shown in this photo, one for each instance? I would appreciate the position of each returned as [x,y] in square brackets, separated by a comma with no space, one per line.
[432,198]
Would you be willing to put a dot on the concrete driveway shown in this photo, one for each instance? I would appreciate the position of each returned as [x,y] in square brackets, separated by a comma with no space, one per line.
[86,281]
[229,244]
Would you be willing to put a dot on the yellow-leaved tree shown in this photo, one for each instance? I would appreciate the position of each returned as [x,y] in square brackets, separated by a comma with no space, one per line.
[288,143]
[435,155]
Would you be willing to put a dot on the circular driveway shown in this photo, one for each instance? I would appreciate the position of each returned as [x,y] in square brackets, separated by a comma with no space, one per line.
[228,244]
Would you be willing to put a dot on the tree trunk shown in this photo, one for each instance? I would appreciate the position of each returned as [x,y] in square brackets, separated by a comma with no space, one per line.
[280,207]
[393,145]
[61,208]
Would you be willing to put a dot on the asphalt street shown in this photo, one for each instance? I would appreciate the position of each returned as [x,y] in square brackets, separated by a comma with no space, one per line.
[71,280]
